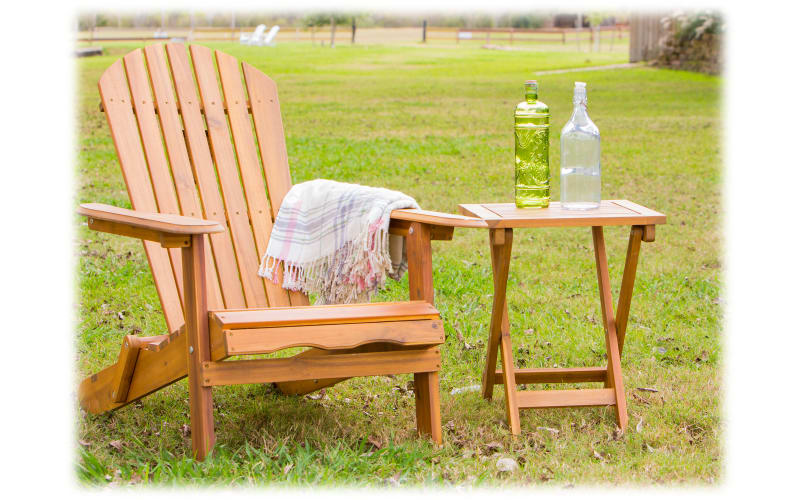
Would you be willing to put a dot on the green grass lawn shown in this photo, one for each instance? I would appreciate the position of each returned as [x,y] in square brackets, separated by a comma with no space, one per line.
[436,123]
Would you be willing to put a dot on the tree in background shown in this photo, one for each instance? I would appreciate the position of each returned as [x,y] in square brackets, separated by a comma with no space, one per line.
[324,19]
[526,21]
[250,19]
[692,41]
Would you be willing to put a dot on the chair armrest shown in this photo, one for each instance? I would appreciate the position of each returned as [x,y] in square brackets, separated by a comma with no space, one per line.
[438,218]
[441,224]
[168,229]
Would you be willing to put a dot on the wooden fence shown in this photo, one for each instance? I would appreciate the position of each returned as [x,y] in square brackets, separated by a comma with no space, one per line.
[589,37]
[314,34]
[646,30]
[600,38]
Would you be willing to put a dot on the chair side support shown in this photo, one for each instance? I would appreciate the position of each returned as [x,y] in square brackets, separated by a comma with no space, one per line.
[198,346]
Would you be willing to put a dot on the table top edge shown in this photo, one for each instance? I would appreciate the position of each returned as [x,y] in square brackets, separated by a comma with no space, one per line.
[641,215]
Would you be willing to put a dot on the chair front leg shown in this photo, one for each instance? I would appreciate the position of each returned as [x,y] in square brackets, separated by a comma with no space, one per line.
[420,287]
[198,346]
[426,393]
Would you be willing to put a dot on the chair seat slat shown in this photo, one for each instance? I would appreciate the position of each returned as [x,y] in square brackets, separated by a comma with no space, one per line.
[326,314]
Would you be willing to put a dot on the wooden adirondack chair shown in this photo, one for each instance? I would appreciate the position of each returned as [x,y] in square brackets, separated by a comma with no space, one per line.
[204,213]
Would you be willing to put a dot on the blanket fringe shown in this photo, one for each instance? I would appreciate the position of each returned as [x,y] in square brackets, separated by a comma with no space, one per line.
[353,273]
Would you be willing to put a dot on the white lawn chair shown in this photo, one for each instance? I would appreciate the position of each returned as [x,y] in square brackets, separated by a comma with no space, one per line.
[255,38]
[270,38]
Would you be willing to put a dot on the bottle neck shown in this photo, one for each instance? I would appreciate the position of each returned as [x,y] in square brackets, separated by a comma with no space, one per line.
[531,93]
[579,112]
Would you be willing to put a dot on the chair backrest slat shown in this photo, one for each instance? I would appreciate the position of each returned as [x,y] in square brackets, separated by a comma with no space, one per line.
[268,125]
[204,175]
[269,131]
[187,145]
[180,176]
[116,98]
[249,167]
[160,177]
[227,171]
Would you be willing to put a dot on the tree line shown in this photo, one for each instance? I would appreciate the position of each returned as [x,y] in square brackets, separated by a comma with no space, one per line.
[185,19]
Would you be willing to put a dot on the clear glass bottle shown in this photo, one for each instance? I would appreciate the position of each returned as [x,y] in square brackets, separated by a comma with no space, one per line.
[532,150]
[580,157]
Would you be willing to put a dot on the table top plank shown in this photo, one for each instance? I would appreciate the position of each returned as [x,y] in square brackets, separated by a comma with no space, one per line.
[610,213]
[477,210]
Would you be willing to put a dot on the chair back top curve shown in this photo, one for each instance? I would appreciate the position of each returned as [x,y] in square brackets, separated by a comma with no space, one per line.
[199,134]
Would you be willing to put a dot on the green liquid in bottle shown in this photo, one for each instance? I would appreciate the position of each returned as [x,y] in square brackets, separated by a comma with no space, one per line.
[532,150]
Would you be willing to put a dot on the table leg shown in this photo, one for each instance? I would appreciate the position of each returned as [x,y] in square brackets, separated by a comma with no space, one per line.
[614,370]
[628,279]
[500,242]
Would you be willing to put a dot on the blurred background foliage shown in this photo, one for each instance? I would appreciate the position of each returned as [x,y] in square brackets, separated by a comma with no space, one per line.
[185,19]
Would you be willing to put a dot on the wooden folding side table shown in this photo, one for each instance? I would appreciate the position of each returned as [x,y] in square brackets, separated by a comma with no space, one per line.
[501,219]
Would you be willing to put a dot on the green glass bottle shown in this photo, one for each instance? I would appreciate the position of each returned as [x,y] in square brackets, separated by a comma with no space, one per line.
[532,150]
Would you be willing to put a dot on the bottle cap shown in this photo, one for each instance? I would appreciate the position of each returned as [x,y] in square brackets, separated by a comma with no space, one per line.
[530,81]
[580,85]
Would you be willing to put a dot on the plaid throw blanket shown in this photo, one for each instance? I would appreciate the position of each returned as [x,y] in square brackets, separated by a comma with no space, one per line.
[333,240]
